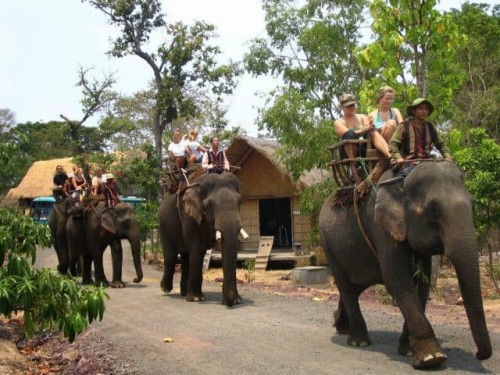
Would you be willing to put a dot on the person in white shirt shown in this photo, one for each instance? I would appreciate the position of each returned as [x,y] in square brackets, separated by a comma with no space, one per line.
[177,151]
[194,150]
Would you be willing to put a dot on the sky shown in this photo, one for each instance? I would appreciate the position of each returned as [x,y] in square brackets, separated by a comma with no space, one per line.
[44,42]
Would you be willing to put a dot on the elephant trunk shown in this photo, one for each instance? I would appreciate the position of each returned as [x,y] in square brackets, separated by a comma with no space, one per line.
[135,244]
[230,246]
[464,256]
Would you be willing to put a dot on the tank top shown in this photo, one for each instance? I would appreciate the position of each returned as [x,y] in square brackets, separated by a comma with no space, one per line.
[379,122]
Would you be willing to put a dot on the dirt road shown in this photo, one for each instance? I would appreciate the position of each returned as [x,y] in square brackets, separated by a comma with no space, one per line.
[267,334]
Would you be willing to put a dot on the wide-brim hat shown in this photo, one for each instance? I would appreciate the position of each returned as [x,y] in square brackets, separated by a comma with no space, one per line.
[410,109]
[347,99]
[109,176]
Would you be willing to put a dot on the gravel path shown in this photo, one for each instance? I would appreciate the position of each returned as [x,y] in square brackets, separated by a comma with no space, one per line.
[267,334]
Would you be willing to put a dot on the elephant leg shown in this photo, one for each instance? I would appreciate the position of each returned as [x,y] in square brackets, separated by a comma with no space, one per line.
[184,273]
[418,336]
[348,317]
[117,260]
[100,276]
[194,293]
[87,269]
[341,320]
[169,259]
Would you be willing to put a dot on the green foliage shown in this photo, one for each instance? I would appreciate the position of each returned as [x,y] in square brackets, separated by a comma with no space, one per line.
[249,267]
[476,102]
[414,52]
[147,215]
[46,298]
[479,158]
[381,290]
[183,61]
[14,166]
[311,48]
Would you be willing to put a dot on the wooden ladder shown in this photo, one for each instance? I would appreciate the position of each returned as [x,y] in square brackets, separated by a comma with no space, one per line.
[265,247]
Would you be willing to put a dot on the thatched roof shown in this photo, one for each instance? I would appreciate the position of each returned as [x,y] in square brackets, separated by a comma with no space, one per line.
[37,182]
[243,146]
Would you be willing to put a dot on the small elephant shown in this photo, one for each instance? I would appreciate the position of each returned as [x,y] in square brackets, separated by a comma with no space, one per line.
[205,214]
[88,236]
[401,225]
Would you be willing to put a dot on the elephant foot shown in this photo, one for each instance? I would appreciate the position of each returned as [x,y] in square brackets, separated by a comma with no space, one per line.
[359,342]
[237,301]
[87,281]
[404,349]
[430,360]
[195,298]
[166,286]
[117,284]
[104,283]
[341,322]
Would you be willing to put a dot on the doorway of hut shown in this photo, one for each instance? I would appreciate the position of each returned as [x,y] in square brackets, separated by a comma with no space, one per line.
[275,219]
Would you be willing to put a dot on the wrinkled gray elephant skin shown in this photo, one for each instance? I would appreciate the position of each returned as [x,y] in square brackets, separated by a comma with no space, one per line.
[188,224]
[405,223]
[101,227]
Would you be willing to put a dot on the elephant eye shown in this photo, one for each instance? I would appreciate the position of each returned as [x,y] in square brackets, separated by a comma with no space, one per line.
[433,210]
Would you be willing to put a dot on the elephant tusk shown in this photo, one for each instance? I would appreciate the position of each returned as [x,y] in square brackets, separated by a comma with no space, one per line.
[244,235]
[218,235]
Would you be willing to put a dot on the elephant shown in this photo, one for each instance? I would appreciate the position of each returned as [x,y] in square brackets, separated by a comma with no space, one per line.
[398,227]
[206,213]
[63,209]
[88,236]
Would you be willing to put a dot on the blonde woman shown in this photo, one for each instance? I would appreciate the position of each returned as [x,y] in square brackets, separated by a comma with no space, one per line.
[194,150]
[386,118]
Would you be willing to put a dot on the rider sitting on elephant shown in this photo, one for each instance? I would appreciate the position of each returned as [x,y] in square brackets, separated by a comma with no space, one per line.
[215,160]
[111,191]
[416,137]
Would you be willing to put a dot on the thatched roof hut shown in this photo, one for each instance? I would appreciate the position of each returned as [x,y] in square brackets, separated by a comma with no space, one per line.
[36,183]
[243,147]
[270,204]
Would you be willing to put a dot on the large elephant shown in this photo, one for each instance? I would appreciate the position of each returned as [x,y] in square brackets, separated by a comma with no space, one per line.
[401,225]
[58,218]
[206,213]
[89,236]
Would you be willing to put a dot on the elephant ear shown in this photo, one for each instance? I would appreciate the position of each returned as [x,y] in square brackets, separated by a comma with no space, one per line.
[390,210]
[193,205]
[108,220]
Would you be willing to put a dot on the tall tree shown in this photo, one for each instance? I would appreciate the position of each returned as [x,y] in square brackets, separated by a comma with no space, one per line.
[185,59]
[310,47]
[414,51]
[476,103]
[96,96]
[7,119]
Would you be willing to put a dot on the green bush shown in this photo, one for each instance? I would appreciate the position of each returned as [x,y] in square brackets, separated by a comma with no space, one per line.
[46,298]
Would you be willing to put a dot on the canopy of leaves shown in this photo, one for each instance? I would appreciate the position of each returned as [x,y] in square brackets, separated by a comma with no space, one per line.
[310,46]
[476,103]
[184,60]
[414,51]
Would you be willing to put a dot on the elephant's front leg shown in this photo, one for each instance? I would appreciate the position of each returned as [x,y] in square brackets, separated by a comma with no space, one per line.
[100,276]
[87,269]
[169,259]
[194,292]
[117,261]
[418,337]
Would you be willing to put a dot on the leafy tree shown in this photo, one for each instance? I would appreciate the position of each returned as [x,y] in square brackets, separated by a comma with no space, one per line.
[475,104]
[311,48]
[479,157]
[97,95]
[46,298]
[414,51]
[14,166]
[7,119]
[185,60]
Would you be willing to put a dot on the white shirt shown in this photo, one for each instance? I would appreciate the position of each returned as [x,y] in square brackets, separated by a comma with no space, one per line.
[177,149]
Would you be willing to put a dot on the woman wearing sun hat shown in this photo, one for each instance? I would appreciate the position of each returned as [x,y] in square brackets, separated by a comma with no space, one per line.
[416,137]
